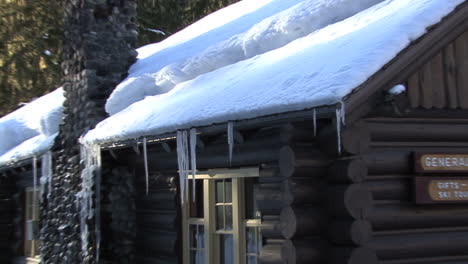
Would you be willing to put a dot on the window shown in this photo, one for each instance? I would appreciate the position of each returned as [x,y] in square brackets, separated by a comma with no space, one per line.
[222,224]
[31,227]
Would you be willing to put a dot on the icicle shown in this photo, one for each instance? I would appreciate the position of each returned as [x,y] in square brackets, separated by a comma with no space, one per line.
[34,214]
[193,157]
[338,129]
[145,157]
[230,135]
[46,175]
[182,160]
[315,122]
[97,218]
[342,113]
[90,177]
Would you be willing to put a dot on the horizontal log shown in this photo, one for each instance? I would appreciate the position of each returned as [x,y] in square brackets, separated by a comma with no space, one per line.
[394,131]
[388,162]
[7,190]
[302,191]
[301,222]
[270,174]
[357,255]
[354,139]
[300,160]
[425,244]
[5,245]
[430,260]
[350,233]
[348,171]
[440,146]
[395,189]
[5,256]
[271,227]
[212,156]
[272,253]
[156,243]
[287,133]
[7,218]
[349,201]
[269,198]
[162,220]
[159,180]
[157,200]
[6,230]
[156,260]
[304,251]
[408,216]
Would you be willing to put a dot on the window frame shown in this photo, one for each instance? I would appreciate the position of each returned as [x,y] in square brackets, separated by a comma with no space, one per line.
[239,223]
[31,212]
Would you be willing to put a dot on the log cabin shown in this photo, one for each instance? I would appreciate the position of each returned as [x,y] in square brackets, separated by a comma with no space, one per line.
[374,177]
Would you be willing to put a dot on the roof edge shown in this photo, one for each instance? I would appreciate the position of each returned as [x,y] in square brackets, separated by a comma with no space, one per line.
[408,60]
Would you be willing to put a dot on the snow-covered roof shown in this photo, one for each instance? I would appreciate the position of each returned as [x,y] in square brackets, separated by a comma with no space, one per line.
[257,58]
[31,130]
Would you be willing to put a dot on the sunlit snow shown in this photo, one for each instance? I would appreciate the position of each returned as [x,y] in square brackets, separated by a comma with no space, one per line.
[258,27]
[31,129]
[317,69]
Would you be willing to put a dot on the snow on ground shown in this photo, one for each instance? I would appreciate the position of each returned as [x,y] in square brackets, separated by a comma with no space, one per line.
[317,69]
[31,129]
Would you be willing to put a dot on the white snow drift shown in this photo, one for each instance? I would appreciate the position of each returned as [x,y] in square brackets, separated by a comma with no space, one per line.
[252,34]
[315,69]
[31,129]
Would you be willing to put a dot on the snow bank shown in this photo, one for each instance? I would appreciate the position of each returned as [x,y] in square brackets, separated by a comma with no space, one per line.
[209,31]
[318,69]
[270,33]
[30,129]
[31,147]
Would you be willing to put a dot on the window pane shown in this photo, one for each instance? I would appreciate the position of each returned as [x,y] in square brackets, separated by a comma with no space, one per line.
[200,257]
[219,191]
[197,257]
[193,257]
[228,217]
[251,259]
[251,245]
[196,206]
[197,239]
[250,190]
[201,237]
[219,217]
[193,236]
[226,249]
[228,191]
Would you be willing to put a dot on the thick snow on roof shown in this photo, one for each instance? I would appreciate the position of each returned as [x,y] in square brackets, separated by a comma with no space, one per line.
[235,33]
[296,71]
[31,129]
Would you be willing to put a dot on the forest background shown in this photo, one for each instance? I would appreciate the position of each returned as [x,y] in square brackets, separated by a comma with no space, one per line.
[31,34]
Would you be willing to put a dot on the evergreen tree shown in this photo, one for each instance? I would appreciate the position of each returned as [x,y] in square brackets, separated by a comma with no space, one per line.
[31,40]
[160,18]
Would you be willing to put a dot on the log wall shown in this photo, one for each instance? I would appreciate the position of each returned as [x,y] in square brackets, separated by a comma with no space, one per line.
[157,218]
[318,205]
[289,193]
[400,231]
[442,82]
[7,212]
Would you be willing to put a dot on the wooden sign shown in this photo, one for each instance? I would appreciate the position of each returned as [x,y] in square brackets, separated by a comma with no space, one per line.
[441,163]
[432,190]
